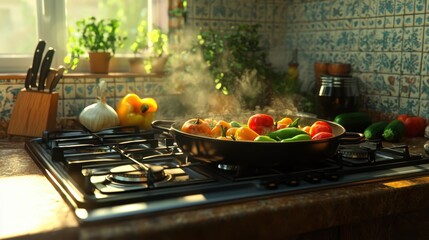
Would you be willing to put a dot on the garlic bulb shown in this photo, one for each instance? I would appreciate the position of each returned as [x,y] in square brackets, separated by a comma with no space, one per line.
[99,115]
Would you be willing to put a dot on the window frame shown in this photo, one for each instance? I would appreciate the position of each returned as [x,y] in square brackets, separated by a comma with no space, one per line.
[51,18]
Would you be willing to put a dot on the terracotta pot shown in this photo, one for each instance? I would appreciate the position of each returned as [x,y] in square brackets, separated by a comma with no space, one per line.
[158,64]
[137,65]
[99,62]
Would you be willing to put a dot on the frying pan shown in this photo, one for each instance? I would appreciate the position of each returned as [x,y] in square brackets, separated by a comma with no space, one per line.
[256,154]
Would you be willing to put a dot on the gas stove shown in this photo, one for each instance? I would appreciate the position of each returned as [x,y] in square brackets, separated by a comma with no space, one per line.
[124,172]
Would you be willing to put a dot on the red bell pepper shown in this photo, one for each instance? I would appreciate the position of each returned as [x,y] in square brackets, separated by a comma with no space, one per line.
[414,125]
[261,123]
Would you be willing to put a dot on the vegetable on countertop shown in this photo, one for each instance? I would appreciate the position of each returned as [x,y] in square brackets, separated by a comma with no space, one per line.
[375,130]
[354,121]
[99,115]
[394,131]
[135,111]
[414,126]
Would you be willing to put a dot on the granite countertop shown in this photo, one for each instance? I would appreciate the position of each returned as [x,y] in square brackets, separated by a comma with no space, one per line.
[31,207]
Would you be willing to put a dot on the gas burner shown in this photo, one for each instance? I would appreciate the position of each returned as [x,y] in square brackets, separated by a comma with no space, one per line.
[355,153]
[132,174]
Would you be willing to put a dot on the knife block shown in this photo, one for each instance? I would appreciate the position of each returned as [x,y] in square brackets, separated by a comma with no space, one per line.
[33,113]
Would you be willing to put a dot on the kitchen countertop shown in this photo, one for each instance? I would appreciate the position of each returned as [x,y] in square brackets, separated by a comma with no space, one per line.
[30,207]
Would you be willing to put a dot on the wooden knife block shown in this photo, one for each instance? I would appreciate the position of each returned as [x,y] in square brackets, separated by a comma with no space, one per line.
[33,113]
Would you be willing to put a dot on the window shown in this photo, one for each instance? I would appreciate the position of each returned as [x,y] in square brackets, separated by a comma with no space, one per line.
[30,20]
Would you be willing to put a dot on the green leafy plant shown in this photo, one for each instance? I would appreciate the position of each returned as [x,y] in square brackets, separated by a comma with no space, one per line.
[141,38]
[158,42]
[238,63]
[92,35]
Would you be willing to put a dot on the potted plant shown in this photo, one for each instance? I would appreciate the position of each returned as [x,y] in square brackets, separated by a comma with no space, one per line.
[158,42]
[100,39]
[139,45]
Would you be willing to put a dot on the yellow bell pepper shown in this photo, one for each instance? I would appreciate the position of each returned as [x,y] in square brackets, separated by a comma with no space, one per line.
[135,111]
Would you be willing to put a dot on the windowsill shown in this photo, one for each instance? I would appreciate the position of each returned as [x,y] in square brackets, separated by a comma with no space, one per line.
[6,76]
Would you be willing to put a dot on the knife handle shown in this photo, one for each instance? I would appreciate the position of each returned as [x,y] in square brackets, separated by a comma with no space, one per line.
[44,69]
[37,59]
[27,83]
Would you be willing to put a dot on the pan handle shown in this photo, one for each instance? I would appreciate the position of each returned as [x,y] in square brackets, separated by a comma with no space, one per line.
[161,125]
[352,137]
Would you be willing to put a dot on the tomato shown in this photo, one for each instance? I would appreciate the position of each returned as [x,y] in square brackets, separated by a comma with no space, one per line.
[261,123]
[135,111]
[245,134]
[197,126]
[322,135]
[320,126]
[414,126]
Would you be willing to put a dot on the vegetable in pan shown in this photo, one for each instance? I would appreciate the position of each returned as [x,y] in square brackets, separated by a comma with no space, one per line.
[259,128]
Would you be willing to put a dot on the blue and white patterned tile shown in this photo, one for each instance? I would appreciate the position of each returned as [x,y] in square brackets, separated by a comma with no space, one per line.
[420,6]
[388,104]
[386,8]
[365,62]
[411,63]
[424,109]
[69,89]
[60,110]
[379,22]
[366,40]
[396,39]
[389,22]
[73,107]
[409,6]
[425,64]
[399,7]
[153,88]
[372,102]
[120,87]
[398,21]
[408,20]
[384,85]
[91,88]
[372,22]
[424,92]
[412,39]
[410,86]
[409,106]
[364,8]
[382,39]
[352,8]
[338,9]
[419,20]
[426,39]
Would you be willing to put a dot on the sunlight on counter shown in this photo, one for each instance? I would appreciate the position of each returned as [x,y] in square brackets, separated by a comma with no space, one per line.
[29,204]
[400,184]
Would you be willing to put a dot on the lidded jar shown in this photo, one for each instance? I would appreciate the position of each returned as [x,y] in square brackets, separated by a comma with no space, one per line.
[337,94]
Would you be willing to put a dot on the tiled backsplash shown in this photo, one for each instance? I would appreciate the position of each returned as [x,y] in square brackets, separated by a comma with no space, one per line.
[386,41]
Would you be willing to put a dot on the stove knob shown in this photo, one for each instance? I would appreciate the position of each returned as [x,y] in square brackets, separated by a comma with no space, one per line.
[292,182]
[270,184]
[313,178]
[426,147]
